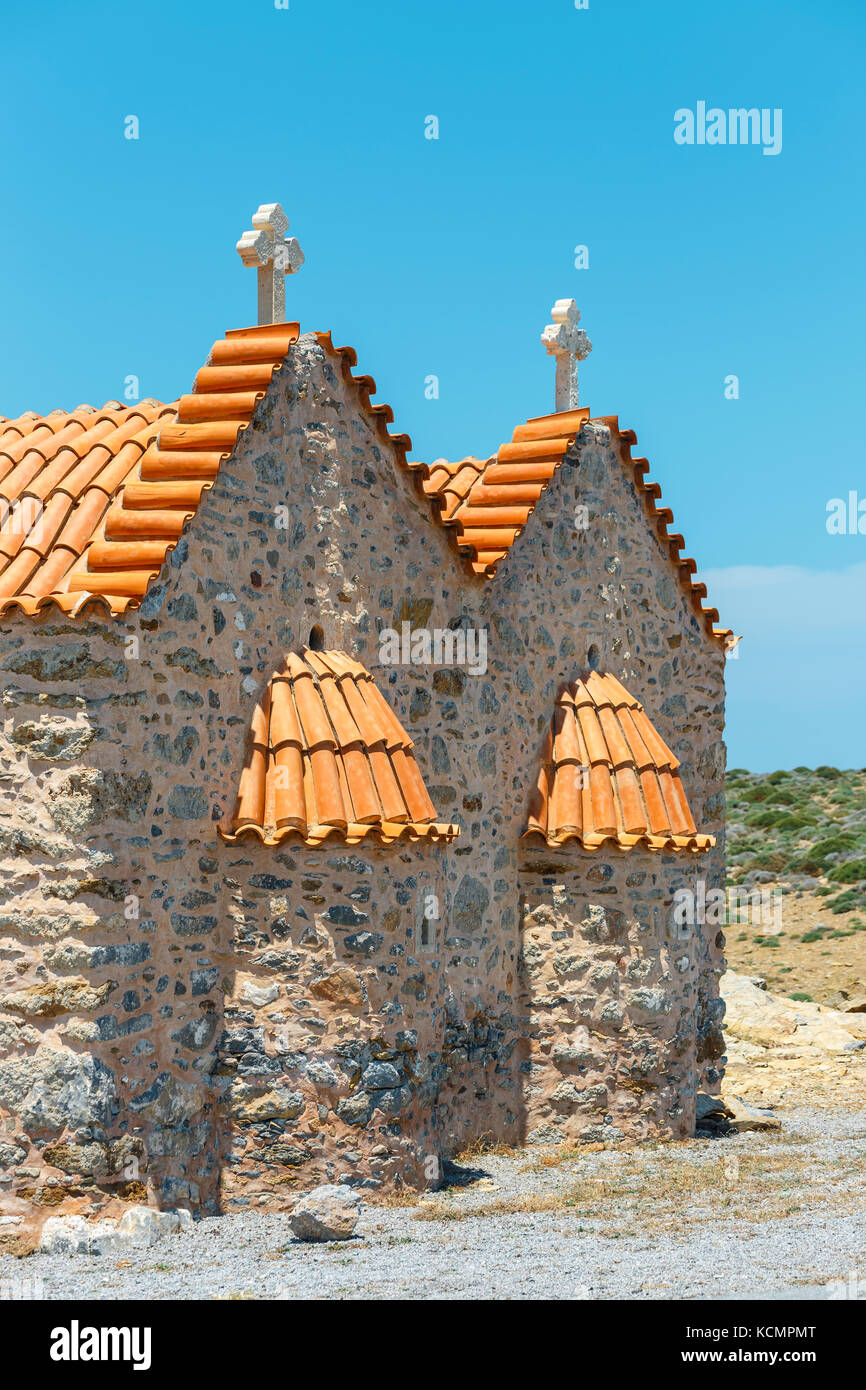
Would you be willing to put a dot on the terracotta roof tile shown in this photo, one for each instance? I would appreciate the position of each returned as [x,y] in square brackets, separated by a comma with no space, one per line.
[93,500]
[328,756]
[607,776]
[488,502]
[365,386]
[150,463]
[660,518]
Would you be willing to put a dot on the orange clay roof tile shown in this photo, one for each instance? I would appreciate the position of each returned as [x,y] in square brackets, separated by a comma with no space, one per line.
[607,777]
[487,504]
[151,463]
[487,519]
[328,756]
[93,500]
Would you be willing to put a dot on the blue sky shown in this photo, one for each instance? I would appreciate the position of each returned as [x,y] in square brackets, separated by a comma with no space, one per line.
[444,256]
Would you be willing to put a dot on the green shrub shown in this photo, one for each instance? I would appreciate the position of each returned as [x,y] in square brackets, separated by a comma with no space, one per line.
[764,820]
[828,773]
[794,820]
[777,796]
[759,793]
[852,871]
[848,900]
[772,861]
[801,997]
[814,860]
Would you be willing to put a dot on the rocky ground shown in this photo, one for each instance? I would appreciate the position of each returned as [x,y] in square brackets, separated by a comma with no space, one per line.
[785,1052]
[780,1214]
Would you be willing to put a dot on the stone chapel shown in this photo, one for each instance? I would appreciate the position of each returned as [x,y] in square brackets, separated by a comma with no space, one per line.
[344,796]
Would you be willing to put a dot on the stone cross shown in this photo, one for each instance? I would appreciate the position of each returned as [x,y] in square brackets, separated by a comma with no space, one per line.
[569,345]
[273,257]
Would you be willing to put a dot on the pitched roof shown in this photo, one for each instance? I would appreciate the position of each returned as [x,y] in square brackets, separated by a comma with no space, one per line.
[329,757]
[381,414]
[100,497]
[93,500]
[607,776]
[487,503]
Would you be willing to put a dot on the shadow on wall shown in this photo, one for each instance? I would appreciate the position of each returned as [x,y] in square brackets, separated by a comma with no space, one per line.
[357,1040]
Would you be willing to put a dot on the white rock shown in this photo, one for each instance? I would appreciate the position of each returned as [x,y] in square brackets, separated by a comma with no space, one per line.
[259,995]
[143,1226]
[73,1235]
[329,1212]
[138,1228]
[744,1116]
[768,1020]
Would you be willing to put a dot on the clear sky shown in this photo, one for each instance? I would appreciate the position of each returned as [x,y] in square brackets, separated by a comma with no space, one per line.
[556,129]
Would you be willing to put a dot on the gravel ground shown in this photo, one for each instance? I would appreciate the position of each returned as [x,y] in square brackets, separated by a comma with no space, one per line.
[685,1244]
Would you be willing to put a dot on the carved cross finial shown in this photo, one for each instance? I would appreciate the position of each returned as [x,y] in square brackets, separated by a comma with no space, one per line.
[273,257]
[569,345]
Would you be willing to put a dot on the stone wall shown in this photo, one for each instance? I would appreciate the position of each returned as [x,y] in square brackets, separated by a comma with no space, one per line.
[609,998]
[139,952]
[336,1051]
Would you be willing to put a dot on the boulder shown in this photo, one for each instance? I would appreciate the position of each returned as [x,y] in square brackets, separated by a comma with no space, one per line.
[73,1235]
[710,1108]
[329,1212]
[138,1228]
[143,1226]
[770,1021]
[744,1116]
[711,1116]
[732,1115]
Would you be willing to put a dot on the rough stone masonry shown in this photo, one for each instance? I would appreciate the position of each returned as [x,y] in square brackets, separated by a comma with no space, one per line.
[212,1025]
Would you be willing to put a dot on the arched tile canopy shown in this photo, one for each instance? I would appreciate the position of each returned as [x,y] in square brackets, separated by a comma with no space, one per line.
[607,777]
[328,757]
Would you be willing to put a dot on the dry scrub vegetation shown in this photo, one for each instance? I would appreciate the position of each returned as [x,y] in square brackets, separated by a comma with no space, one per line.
[653,1190]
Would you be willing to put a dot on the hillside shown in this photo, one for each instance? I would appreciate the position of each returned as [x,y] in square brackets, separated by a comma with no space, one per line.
[801,834]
